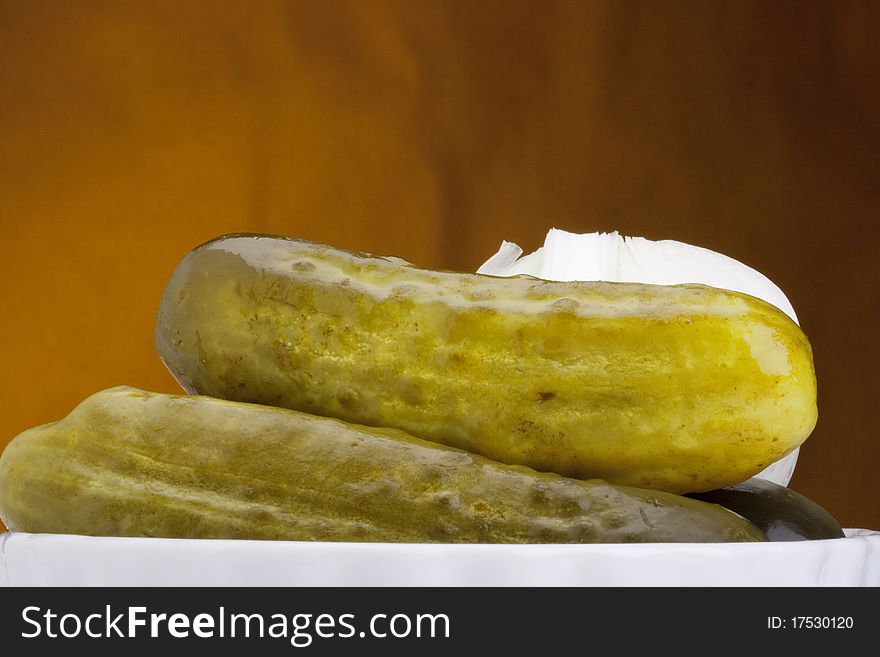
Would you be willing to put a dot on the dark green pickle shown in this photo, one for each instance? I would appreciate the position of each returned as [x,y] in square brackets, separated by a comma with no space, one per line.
[131,463]
[783,514]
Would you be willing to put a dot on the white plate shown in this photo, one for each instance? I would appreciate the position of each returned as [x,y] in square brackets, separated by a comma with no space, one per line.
[61,560]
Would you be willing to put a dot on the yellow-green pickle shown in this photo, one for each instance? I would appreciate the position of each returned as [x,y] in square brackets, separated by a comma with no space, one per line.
[131,463]
[680,388]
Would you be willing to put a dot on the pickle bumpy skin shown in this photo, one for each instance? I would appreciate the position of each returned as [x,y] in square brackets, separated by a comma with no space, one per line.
[680,388]
[132,463]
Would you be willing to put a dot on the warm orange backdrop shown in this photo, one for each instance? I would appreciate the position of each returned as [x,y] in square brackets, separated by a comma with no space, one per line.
[131,132]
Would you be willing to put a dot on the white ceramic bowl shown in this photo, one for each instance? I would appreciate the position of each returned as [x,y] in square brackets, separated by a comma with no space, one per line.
[60,560]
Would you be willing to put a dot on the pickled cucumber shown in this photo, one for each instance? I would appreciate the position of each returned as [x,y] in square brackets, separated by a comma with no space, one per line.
[780,512]
[131,463]
[681,388]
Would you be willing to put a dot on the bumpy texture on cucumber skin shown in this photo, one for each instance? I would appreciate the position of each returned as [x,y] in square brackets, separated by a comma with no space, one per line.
[130,463]
[680,388]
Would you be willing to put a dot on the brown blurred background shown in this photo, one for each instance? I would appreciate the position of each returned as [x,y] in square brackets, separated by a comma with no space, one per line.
[131,132]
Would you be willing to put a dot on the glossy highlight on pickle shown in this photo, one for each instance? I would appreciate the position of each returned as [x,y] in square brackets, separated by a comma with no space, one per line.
[680,388]
[131,463]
